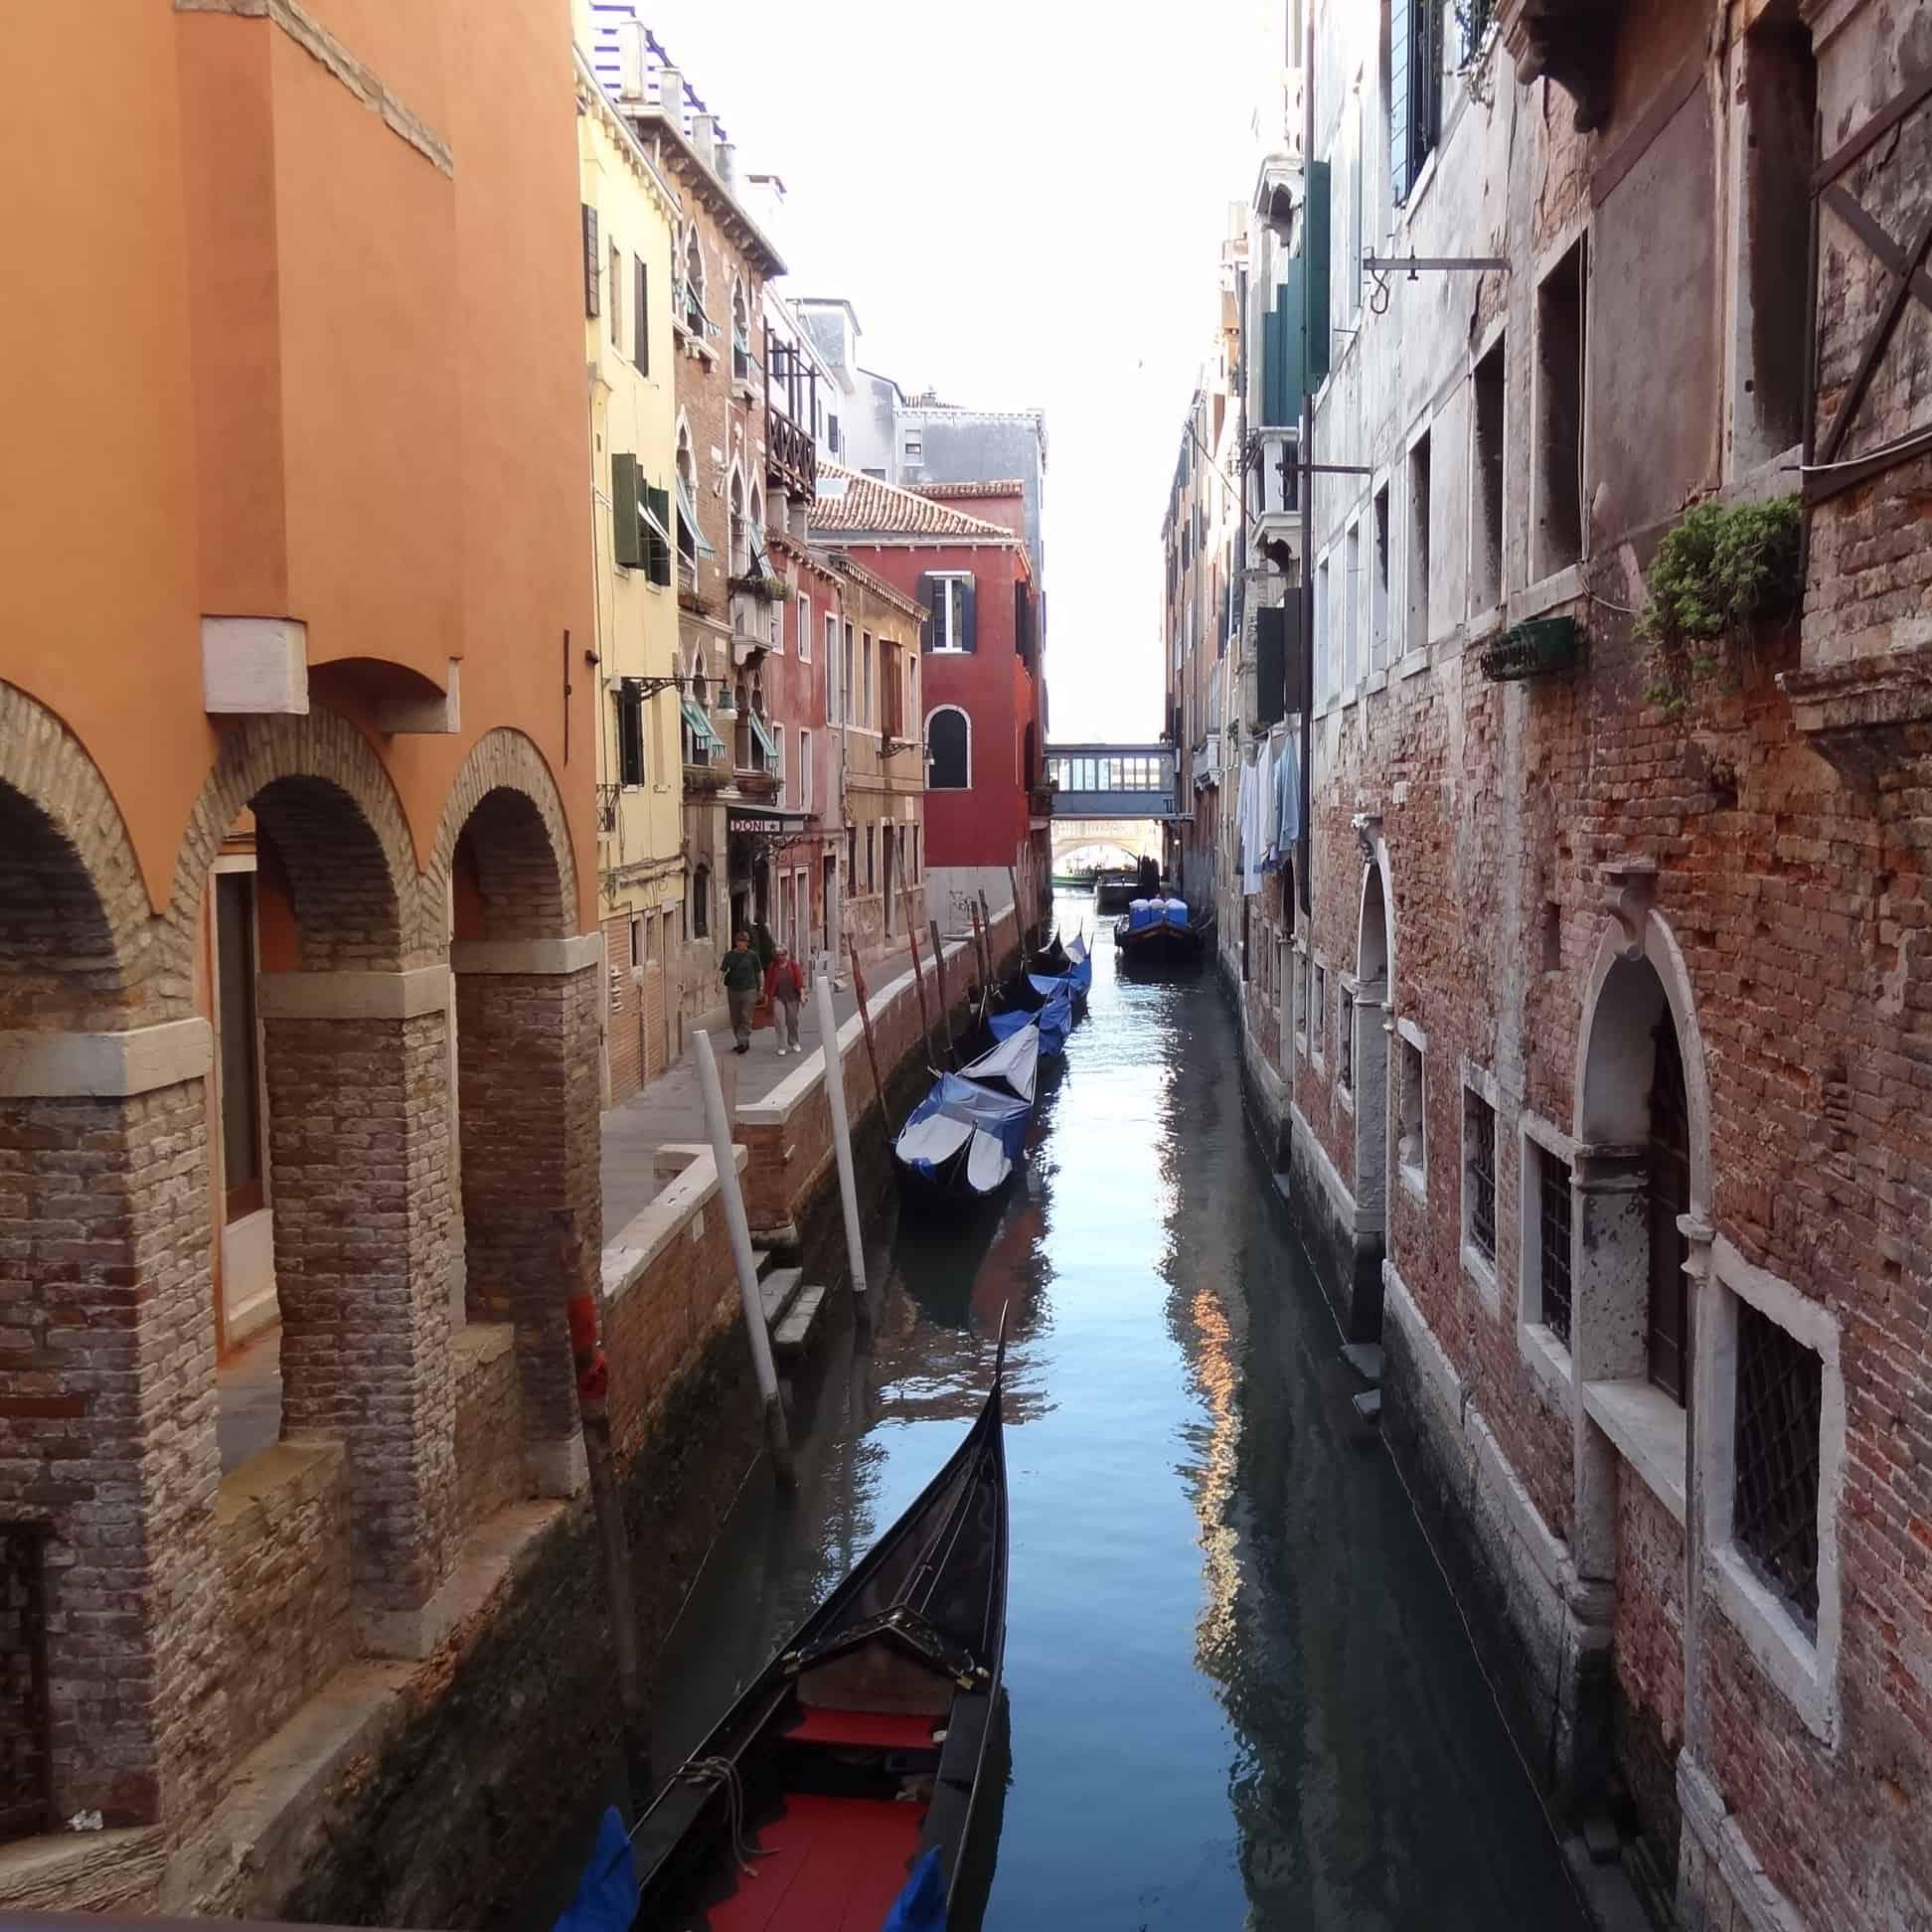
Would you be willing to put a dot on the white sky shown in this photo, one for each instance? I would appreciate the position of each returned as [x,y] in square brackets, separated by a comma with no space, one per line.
[1023,201]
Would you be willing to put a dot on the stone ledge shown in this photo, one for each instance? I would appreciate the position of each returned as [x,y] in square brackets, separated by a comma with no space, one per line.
[1708,1821]
[629,1253]
[1648,1429]
[295,1464]
[103,1065]
[109,1873]
[405,995]
[536,957]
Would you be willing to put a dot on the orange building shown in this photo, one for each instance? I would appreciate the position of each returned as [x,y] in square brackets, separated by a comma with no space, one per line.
[299,968]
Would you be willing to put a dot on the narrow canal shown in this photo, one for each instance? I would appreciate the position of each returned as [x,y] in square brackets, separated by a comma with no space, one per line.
[1240,1692]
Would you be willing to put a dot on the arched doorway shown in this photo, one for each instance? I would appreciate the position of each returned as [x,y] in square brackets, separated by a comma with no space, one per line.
[109,1463]
[1367,1047]
[528,1005]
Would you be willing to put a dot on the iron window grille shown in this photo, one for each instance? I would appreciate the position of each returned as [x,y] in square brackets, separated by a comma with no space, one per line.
[1345,1040]
[1480,1130]
[1553,1214]
[1780,1404]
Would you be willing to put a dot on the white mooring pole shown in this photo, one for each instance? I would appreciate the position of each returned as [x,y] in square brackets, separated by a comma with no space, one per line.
[778,1438]
[835,1096]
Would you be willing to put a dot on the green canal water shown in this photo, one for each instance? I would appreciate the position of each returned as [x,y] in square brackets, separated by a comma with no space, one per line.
[1240,1694]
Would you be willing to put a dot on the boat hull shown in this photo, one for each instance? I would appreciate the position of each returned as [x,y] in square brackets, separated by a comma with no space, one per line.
[1159,945]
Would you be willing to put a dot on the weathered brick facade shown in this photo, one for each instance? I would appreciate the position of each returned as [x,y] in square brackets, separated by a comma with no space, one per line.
[1525,896]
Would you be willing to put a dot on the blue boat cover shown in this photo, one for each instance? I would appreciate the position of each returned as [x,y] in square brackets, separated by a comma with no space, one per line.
[606,1899]
[1014,1064]
[921,1906]
[1145,914]
[958,1114]
[1054,1019]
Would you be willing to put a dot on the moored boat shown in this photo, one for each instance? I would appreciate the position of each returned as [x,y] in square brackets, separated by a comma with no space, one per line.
[1159,932]
[854,1768]
[964,1139]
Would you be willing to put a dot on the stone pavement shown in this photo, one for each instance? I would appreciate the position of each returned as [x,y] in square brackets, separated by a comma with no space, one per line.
[671,1108]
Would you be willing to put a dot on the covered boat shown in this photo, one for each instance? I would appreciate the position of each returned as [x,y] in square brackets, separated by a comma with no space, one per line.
[1159,932]
[853,1775]
[969,1133]
[1053,1018]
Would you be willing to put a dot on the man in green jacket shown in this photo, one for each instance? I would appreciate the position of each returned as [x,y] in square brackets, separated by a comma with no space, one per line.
[743,981]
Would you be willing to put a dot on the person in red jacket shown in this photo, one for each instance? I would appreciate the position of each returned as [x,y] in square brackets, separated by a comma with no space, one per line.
[784,989]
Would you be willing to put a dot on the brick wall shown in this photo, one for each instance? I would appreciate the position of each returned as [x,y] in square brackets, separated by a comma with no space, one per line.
[359,1147]
[282,1523]
[107,1427]
[1648,1639]
[490,1466]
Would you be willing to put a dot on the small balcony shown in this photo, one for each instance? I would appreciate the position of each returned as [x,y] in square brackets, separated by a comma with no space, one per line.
[704,780]
[792,457]
[1572,43]
[1274,494]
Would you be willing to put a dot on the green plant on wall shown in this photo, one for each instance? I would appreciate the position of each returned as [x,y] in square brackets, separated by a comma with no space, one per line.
[1721,571]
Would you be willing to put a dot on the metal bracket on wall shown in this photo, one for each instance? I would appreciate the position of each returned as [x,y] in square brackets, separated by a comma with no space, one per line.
[1380,267]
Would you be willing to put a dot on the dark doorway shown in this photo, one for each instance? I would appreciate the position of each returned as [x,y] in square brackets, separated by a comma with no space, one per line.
[1669,1197]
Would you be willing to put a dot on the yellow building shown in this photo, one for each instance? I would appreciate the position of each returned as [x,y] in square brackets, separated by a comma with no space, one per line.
[629,214]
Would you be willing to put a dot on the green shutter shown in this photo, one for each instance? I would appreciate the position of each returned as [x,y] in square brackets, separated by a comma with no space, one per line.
[1272,367]
[1293,300]
[626,528]
[657,550]
[641,320]
[1314,263]
[592,261]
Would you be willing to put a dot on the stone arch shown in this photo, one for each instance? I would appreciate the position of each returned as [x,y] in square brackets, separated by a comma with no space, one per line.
[1369,1020]
[74,912]
[957,743]
[1627,991]
[504,832]
[332,814]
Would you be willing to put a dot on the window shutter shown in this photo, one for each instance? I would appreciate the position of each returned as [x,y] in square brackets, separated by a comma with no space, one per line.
[968,640]
[929,602]
[1402,176]
[641,322]
[593,262]
[657,550]
[626,527]
[1293,303]
[1315,270]
[1294,696]
[1270,672]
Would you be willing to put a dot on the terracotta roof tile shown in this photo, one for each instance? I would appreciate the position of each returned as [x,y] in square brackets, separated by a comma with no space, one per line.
[850,504]
[946,492]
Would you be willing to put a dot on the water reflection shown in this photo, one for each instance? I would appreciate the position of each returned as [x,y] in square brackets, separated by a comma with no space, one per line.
[1240,1691]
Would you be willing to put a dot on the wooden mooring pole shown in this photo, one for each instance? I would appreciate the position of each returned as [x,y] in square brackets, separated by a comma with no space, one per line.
[835,1096]
[940,976]
[872,1045]
[777,1436]
[607,1507]
[918,977]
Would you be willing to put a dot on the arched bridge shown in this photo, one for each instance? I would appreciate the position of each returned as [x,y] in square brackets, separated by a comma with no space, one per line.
[1112,781]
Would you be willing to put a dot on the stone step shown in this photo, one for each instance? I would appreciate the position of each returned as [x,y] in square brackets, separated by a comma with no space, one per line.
[762,1260]
[793,1335]
[1366,1358]
[778,1291]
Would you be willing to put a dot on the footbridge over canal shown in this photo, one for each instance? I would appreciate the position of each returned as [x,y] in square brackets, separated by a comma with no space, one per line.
[1112,781]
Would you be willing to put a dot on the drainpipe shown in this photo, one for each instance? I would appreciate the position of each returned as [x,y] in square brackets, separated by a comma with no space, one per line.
[1306,460]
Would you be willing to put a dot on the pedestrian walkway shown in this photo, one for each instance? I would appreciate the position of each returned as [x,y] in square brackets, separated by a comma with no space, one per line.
[670,1107]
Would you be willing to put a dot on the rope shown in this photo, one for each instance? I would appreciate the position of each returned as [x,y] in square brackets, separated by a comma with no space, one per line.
[722,1772]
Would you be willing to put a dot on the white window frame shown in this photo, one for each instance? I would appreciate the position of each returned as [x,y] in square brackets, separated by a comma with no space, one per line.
[1412,1174]
[1539,1140]
[1804,1671]
[804,769]
[1346,986]
[1481,1269]
[927,740]
[912,446]
[1318,1012]
[804,628]
[778,760]
[1298,996]
[949,578]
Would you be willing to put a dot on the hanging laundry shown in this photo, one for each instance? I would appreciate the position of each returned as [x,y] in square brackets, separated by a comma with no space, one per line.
[1288,795]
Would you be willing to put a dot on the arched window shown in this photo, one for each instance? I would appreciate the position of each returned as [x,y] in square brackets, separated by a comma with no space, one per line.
[741,548]
[741,333]
[949,751]
[694,284]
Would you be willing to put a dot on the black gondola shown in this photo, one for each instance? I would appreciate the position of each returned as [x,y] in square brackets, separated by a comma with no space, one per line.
[858,1757]
[1161,933]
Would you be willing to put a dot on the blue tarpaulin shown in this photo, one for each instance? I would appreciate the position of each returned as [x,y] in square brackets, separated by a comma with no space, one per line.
[606,1899]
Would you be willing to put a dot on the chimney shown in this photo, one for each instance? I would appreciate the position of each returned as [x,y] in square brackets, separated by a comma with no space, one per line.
[630,60]
[728,162]
[671,96]
[703,139]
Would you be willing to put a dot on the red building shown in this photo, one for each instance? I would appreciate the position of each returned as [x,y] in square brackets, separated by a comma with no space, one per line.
[983,699]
